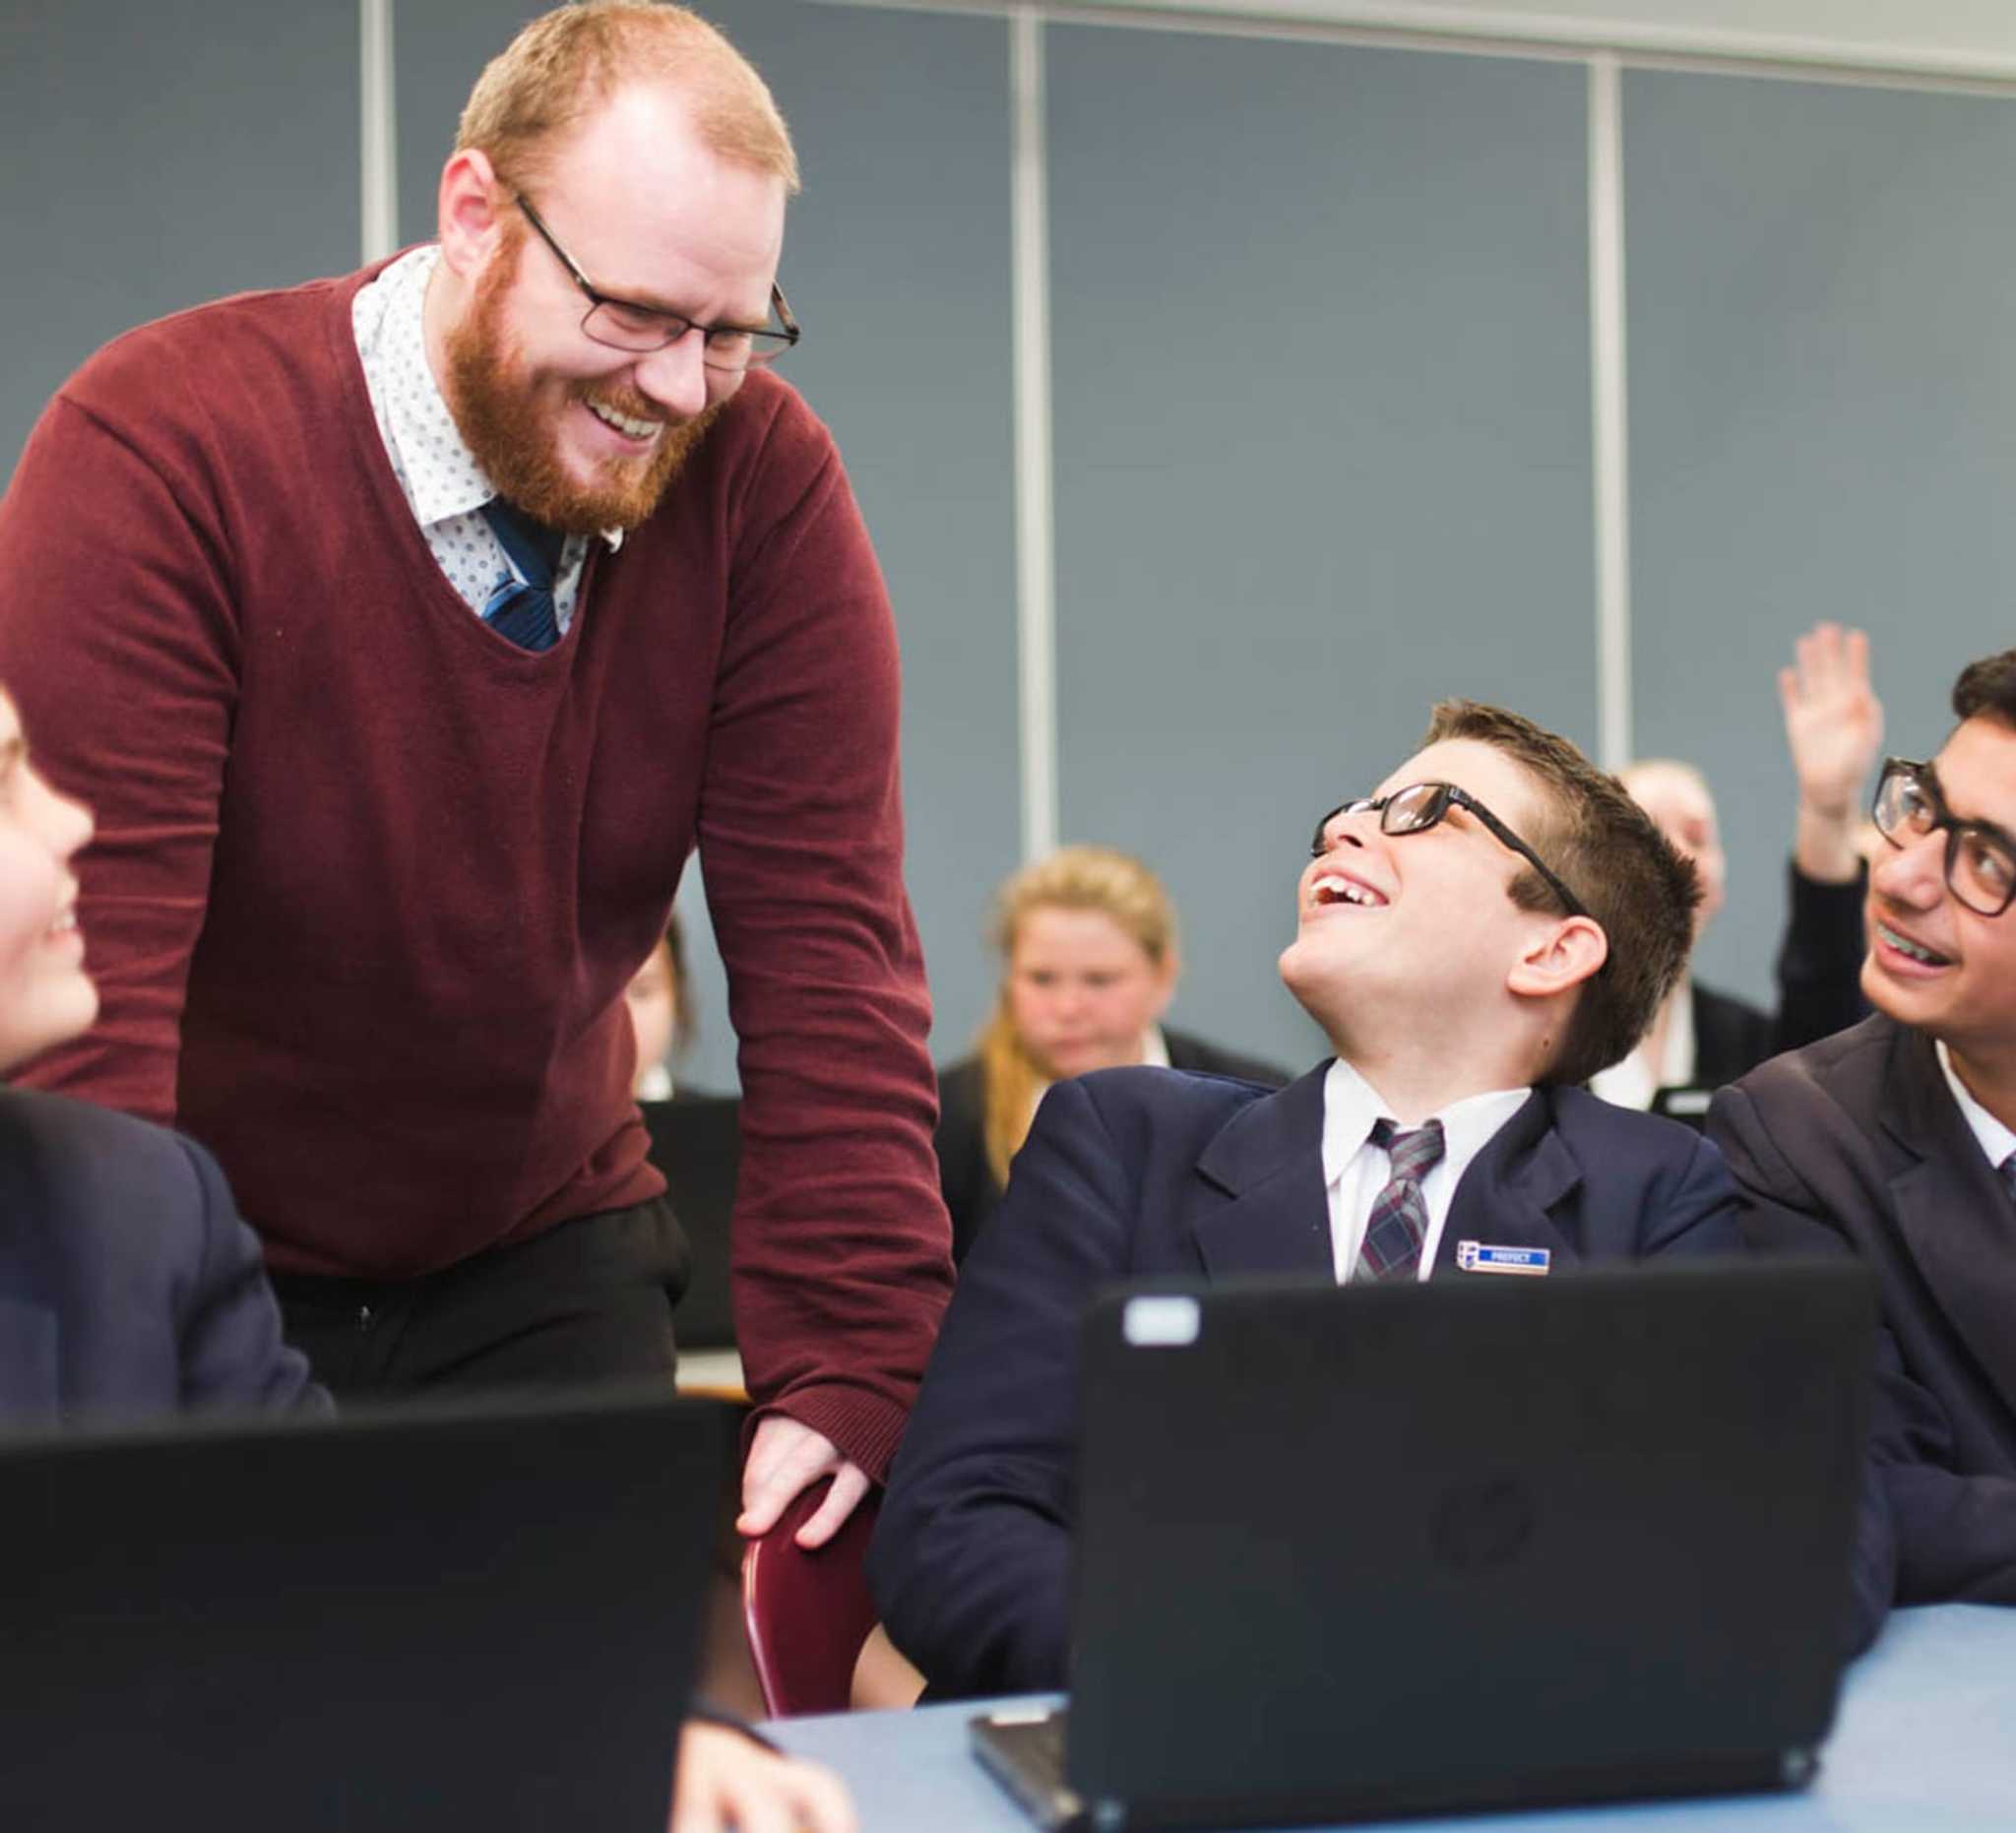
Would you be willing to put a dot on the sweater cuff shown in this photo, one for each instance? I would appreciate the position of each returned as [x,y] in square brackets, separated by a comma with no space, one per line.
[865,1427]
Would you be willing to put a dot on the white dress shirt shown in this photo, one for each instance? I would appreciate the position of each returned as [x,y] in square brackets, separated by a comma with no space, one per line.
[443,485]
[1997,1140]
[1356,1170]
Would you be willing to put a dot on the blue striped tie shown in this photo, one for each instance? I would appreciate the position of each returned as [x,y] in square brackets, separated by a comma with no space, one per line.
[2008,1171]
[1399,1222]
[521,609]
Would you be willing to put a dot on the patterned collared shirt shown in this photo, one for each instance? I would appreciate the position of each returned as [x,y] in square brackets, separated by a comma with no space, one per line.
[443,483]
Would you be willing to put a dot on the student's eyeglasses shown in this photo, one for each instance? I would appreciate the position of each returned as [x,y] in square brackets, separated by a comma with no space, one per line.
[623,324]
[1980,857]
[1419,807]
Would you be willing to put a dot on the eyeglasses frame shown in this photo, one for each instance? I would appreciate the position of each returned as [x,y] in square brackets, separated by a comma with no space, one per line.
[598,299]
[1927,780]
[1448,796]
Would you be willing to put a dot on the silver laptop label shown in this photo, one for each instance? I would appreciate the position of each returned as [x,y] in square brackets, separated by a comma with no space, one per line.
[1160,1323]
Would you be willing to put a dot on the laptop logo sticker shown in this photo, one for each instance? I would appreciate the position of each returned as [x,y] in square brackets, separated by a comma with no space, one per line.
[1481,1257]
[1482,1526]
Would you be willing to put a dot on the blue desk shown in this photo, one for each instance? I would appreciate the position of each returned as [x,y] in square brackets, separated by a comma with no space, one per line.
[1926,1743]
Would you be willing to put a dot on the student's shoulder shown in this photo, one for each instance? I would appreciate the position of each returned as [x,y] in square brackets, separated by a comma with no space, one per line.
[1182,1103]
[1838,1079]
[1199,1054]
[75,1165]
[1841,1068]
[62,1130]
[1608,1139]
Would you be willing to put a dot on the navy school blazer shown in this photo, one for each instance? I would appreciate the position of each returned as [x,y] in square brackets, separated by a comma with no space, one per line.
[128,1284]
[1133,1172]
[1857,1145]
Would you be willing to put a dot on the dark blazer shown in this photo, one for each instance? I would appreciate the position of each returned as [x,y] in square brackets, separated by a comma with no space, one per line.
[128,1285]
[966,1178]
[1856,1143]
[1130,1172]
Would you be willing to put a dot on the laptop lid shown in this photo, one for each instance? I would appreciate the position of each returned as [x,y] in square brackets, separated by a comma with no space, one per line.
[484,1616]
[1359,1550]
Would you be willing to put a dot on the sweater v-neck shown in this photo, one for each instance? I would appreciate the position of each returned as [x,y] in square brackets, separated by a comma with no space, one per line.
[438,597]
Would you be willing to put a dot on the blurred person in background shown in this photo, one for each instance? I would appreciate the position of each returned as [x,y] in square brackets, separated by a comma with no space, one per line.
[1702,1039]
[659,1015]
[1089,963]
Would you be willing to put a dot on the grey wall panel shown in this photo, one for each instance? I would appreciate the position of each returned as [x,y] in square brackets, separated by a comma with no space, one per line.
[1323,449]
[896,260]
[161,152]
[1823,424]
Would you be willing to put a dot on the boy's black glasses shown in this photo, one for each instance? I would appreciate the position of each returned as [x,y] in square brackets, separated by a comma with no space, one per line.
[1419,807]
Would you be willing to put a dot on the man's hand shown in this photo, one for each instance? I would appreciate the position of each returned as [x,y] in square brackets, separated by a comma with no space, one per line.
[726,1781]
[1834,728]
[783,1457]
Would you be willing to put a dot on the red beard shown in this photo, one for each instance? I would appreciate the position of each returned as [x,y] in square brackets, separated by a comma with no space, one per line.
[503,426]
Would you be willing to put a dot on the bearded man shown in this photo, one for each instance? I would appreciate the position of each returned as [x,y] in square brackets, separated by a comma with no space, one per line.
[407,631]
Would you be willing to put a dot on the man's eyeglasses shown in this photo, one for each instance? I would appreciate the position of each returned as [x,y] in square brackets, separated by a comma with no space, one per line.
[622,325]
[1980,857]
[1419,807]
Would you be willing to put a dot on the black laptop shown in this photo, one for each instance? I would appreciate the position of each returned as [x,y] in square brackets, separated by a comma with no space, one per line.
[485,1617]
[1354,1553]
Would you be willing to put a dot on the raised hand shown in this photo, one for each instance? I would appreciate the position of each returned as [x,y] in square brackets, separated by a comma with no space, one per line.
[1834,728]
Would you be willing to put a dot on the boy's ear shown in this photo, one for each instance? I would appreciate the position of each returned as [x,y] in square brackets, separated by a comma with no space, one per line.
[1567,952]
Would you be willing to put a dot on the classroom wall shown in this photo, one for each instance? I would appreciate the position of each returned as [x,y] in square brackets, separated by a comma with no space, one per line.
[1320,332]
[155,154]
[1950,35]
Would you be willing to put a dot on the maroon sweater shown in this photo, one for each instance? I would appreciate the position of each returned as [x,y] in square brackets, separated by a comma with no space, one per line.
[369,880]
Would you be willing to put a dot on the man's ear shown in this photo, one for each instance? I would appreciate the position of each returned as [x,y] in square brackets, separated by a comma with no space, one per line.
[1167,976]
[1563,954]
[470,208]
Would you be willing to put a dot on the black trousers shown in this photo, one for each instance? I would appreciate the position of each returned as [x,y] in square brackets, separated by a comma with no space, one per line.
[586,1303]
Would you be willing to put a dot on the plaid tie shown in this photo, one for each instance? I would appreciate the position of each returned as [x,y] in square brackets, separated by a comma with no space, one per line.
[1398,1221]
[523,610]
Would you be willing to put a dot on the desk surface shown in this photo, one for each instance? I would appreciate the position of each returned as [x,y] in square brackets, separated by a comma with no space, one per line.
[713,1372]
[1926,1743]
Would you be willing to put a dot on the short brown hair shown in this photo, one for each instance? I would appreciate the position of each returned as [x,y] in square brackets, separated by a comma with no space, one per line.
[1605,850]
[1987,689]
[560,67]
